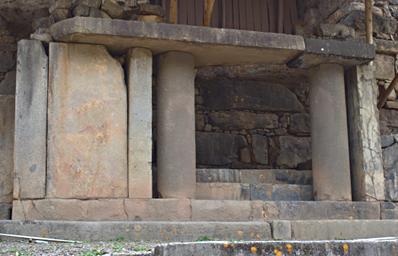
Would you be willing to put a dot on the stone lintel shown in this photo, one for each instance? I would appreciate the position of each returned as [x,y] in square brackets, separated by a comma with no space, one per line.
[190,210]
[346,53]
[209,46]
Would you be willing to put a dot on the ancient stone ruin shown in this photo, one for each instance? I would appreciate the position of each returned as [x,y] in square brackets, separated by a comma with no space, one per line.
[264,122]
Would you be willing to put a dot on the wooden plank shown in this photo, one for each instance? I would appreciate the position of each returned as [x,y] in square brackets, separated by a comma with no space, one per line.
[190,12]
[265,16]
[235,8]
[249,15]
[273,16]
[173,12]
[281,4]
[287,22]
[228,12]
[199,12]
[208,13]
[183,12]
[216,18]
[257,15]
[242,14]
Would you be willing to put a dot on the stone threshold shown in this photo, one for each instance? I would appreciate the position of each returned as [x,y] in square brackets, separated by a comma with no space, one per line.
[212,46]
[364,247]
[195,210]
[180,231]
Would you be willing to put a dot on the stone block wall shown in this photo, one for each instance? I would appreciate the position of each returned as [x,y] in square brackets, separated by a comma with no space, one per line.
[254,121]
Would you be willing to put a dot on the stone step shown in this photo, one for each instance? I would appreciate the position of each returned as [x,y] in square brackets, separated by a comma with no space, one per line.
[251,176]
[196,210]
[264,192]
[185,231]
[364,247]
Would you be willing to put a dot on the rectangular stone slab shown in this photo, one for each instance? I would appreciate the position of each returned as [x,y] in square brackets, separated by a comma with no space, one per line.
[31,121]
[210,46]
[346,53]
[87,123]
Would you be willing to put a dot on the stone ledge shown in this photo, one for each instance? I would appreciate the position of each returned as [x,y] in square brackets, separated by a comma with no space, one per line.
[210,46]
[347,53]
[368,247]
[140,231]
[186,210]
[192,231]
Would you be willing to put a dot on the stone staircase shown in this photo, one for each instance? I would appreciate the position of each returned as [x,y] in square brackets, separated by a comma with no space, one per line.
[264,185]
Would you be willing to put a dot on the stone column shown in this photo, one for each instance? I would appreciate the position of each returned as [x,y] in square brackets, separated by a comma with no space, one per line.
[365,145]
[330,154]
[176,159]
[30,153]
[140,122]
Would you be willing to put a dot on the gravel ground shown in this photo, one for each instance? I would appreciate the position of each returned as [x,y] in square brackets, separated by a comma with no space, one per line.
[25,248]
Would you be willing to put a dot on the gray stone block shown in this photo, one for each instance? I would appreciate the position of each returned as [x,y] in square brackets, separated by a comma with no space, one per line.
[248,95]
[269,192]
[321,210]
[343,229]
[255,176]
[369,247]
[218,149]
[281,230]
[140,123]
[389,210]
[241,120]
[294,151]
[260,149]
[141,231]
[30,152]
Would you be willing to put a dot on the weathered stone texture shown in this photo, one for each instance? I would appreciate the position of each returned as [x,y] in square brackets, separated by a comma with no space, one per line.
[87,123]
[7,111]
[238,95]
[218,149]
[30,152]
[254,176]
[176,152]
[140,123]
[103,209]
[7,85]
[365,145]
[385,67]
[294,151]
[330,152]
[390,156]
[240,120]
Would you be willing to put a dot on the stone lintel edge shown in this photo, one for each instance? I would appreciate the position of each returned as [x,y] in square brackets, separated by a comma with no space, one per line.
[330,51]
[64,31]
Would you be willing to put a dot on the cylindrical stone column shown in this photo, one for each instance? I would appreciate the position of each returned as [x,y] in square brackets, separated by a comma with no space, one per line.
[176,153]
[330,154]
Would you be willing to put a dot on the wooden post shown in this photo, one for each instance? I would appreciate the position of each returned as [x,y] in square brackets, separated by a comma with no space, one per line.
[173,11]
[209,6]
[281,7]
[369,21]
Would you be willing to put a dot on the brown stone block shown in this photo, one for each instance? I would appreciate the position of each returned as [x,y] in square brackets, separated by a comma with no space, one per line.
[158,209]
[87,123]
[226,210]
